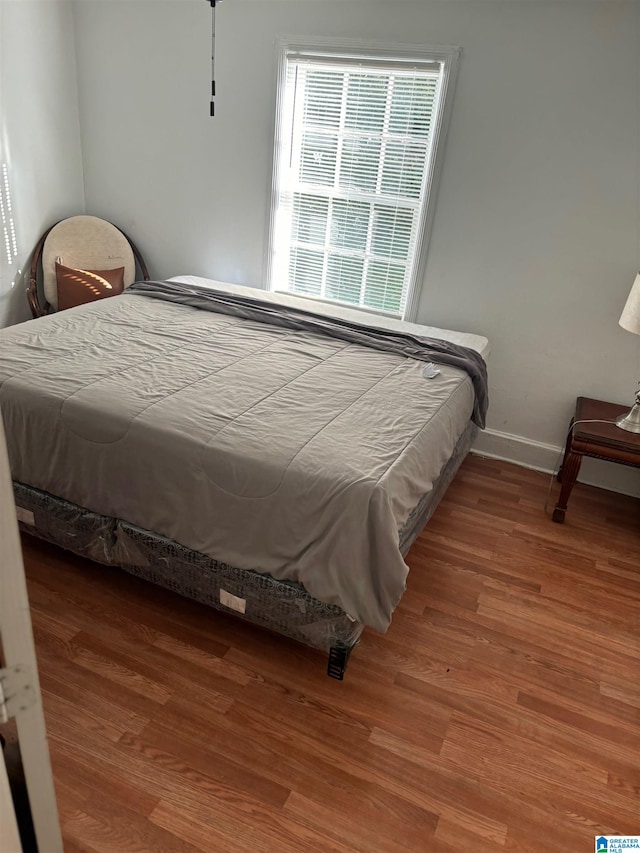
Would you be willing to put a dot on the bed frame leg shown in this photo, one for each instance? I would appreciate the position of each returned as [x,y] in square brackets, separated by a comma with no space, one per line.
[338,657]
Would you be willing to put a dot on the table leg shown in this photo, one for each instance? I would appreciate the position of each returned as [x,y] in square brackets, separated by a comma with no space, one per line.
[567,447]
[570,470]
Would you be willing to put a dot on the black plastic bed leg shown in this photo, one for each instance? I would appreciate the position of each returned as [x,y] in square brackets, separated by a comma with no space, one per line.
[338,657]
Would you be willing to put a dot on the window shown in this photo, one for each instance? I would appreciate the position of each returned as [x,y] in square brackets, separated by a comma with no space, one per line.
[355,162]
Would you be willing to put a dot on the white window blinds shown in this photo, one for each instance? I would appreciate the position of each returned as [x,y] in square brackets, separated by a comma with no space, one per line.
[355,142]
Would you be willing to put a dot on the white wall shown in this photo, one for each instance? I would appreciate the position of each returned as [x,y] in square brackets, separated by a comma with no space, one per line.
[39,132]
[535,241]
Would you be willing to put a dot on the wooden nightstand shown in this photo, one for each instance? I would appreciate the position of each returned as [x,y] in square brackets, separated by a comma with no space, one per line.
[601,441]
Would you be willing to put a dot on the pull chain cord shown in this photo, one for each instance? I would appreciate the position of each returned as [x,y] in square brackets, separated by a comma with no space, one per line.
[213,54]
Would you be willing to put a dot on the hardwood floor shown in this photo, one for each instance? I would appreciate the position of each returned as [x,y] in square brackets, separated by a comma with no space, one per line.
[501,710]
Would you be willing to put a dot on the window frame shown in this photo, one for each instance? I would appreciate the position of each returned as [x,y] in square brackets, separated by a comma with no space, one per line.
[340,48]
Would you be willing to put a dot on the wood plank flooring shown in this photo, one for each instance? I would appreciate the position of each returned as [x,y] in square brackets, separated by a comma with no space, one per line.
[500,712]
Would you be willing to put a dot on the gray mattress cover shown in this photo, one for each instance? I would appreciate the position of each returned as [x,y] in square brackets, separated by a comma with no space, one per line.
[206,429]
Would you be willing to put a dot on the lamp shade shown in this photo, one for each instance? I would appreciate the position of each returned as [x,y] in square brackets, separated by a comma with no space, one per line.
[630,317]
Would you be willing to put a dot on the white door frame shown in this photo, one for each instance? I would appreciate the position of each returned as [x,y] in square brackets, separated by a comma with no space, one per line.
[17,644]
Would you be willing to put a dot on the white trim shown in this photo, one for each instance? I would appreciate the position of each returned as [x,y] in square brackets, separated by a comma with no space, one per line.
[516,448]
[281,78]
[448,55]
[9,833]
[18,649]
[546,458]
[379,312]
[438,144]
[362,48]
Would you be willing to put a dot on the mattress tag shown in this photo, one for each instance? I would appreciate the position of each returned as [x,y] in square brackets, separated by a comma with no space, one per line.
[232,601]
[25,516]
[430,371]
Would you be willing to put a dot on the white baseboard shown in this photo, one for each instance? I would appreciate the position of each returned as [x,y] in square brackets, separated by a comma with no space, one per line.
[547,457]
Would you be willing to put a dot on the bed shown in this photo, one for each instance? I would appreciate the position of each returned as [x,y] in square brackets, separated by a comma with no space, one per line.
[258,452]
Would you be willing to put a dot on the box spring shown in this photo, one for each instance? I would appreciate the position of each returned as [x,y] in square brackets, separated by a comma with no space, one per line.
[281,606]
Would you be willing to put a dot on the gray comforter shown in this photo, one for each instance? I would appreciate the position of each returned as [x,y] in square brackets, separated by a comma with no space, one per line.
[423,349]
[278,445]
